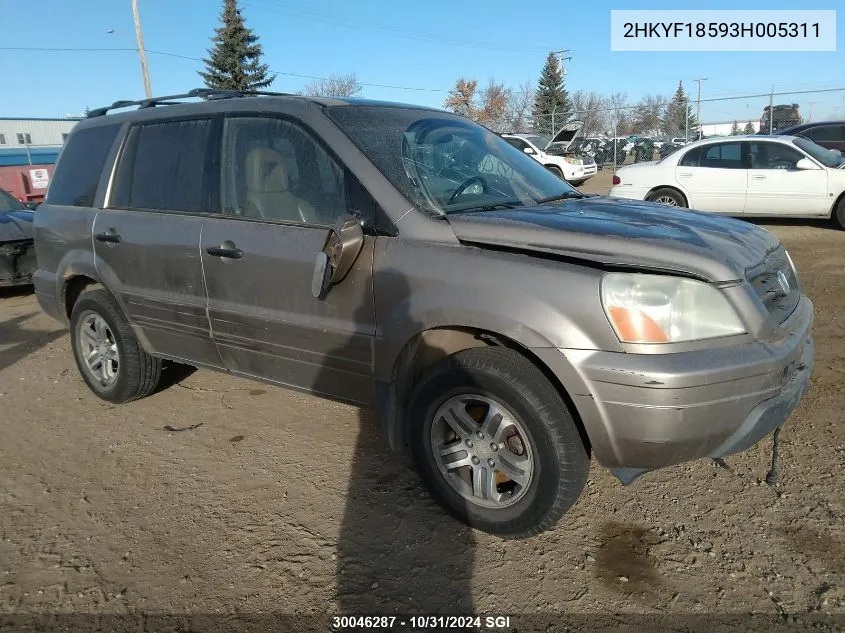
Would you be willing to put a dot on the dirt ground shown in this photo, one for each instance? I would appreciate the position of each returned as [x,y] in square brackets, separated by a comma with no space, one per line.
[218,500]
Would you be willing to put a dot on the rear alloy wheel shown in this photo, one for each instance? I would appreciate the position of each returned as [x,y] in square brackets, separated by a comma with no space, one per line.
[495,442]
[109,357]
[667,197]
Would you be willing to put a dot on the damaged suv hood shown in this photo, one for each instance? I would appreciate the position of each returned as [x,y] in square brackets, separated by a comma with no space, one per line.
[625,233]
[15,225]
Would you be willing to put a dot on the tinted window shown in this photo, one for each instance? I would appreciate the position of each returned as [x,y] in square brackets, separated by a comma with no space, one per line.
[773,156]
[722,156]
[691,158]
[80,164]
[8,203]
[518,143]
[163,166]
[826,133]
[273,169]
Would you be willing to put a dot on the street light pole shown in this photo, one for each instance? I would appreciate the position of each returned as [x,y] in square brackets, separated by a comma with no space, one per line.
[698,101]
[141,52]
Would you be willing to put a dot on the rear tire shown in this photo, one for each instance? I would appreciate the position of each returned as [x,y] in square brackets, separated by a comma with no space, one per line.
[667,197]
[537,442]
[121,370]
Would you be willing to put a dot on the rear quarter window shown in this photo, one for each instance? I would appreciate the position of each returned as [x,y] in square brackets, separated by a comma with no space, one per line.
[80,165]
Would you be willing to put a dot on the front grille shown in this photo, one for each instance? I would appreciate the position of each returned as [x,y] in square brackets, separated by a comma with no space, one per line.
[766,279]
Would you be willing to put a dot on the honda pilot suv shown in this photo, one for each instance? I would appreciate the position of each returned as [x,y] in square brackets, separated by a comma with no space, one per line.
[506,328]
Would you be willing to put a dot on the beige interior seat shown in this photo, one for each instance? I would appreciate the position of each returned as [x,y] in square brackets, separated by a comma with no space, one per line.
[268,192]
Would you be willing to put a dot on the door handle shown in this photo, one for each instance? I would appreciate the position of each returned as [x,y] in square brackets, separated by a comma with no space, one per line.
[758,177]
[685,175]
[226,250]
[110,237]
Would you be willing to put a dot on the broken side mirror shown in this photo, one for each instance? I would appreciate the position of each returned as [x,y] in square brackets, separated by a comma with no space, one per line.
[339,253]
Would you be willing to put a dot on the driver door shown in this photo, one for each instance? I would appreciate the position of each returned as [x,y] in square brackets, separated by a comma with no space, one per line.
[281,192]
[777,187]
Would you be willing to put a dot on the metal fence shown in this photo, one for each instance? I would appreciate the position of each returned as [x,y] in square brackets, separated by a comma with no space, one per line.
[652,129]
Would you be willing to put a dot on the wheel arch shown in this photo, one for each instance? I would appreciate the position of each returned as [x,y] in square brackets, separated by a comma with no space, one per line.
[428,347]
[839,200]
[682,193]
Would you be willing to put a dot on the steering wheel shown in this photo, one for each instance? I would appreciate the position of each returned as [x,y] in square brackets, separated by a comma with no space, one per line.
[781,163]
[466,183]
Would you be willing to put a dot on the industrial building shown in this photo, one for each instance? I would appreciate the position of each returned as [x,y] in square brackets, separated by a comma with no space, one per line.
[37,132]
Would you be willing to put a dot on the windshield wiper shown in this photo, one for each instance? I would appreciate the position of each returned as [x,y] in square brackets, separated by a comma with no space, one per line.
[561,196]
[487,207]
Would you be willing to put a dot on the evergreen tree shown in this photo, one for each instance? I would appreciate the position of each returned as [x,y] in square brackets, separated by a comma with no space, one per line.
[748,129]
[551,98]
[234,63]
[735,129]
[680,117]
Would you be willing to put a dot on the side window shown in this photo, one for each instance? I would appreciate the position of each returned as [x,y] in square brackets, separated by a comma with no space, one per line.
[722,156]
[827,133]
[273,169]
[163,167]
[518,143]
[80,165]
[691,158]
[773,156]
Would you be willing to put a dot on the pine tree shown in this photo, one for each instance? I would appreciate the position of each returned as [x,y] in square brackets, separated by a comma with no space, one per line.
[735,129]
[679,117]
[234,63]
[748,129]
[551,98]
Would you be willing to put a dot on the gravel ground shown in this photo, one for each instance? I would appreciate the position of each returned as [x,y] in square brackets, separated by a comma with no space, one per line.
[218,499]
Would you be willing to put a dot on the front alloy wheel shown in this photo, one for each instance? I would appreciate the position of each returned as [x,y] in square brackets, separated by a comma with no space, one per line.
[480,449]
[495,442]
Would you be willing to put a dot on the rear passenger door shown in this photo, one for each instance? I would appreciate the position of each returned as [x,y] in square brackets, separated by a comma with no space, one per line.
[715,177]
[281,191]
[147,238]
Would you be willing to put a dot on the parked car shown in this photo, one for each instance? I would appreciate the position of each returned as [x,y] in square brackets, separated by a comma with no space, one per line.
[785,176]
[505,327]
[574,167]
[829,134]
[17,252]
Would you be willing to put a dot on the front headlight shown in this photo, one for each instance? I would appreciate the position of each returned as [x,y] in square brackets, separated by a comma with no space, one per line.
[662,309]
[574,161]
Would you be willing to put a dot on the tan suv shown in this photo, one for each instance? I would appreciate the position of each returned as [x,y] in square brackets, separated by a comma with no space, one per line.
[505,327]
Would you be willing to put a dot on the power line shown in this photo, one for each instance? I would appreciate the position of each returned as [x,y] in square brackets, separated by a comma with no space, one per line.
[199,59]
[299,11]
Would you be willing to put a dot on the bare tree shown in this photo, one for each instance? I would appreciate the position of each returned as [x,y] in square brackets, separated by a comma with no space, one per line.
[591,109]
[334,86]
[461,99]
[519,107]
[619,114]
[648,115]
[492,108]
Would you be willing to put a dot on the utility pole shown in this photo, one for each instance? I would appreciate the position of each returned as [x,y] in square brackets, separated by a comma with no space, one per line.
[141,52]
[698,101]
[812,103]
[560,58]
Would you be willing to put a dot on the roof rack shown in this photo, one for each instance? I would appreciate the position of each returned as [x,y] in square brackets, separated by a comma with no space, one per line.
[201,93]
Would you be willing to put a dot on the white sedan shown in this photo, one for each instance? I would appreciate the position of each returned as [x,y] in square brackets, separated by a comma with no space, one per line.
[752,175]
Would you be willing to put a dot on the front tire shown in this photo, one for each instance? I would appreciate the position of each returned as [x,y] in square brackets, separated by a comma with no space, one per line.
[109,357]
[556,171]
[667,197]
[839,213]
[496,444]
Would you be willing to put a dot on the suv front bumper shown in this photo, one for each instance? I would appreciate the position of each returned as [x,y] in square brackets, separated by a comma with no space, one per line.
[646,411]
